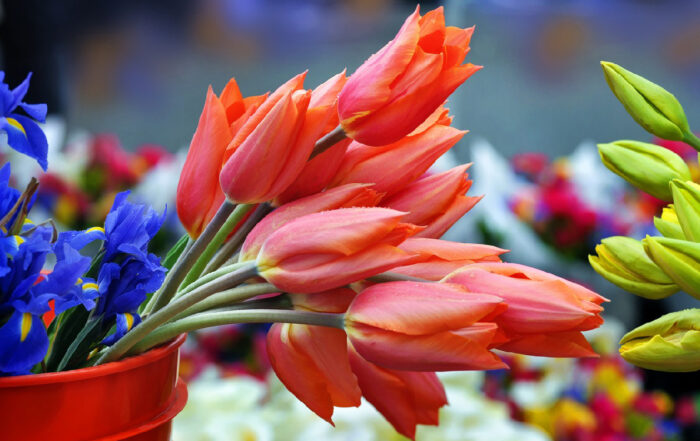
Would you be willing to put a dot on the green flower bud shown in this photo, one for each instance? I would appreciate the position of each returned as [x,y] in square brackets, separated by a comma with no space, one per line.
[670,343]
[652,106]
[668,224]
[648,167]
[686,200]
[679,259]
[622,261]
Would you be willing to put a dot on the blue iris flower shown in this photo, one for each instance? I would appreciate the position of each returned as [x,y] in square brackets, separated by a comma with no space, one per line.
[128,272]
[23,132]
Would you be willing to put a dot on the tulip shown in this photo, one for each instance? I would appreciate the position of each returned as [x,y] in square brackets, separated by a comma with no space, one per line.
[326,250]
[653,107]
[670,343]
[646,166]
[680,259]
[199,194]
[391,167]
[424,327]
[436,201]
[443,257]
[345,196]
[623,261]
[397,88]
[542,308]
[320,170]
[404,398]
[686,203]
[271,148]
[668,224]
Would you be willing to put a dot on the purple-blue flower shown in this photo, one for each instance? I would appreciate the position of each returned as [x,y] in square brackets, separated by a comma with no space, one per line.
[23,132]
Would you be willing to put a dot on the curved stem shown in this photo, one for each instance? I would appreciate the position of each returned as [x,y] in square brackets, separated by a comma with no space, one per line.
[172,309]
[332,138]
[208,278]
[225,298]
[183,265]
[209,319]
[230,247]
[233,219]
[691,139]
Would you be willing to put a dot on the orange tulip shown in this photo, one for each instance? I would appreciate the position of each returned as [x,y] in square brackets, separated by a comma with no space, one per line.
[436,201]
[346,196]
[397,88]
[326,250]
[392,167]
[405,398]
[545,314]
[424,327]
[271,148]
[444,257]
[199,194]
[319,171]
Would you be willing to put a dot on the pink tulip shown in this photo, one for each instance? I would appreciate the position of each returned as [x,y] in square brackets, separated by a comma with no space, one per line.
[444,257]
[326,250]
[392,167]
[436,201]
[542,308]
[424,327]
[346,196]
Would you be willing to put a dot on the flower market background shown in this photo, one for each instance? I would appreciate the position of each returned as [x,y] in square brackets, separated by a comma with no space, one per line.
[124,83]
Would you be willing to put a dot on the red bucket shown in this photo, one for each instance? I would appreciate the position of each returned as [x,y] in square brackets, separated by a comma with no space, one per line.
[132,399]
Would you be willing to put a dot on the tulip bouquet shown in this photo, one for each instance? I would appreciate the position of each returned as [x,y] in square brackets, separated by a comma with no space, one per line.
[313,210]
[657,266]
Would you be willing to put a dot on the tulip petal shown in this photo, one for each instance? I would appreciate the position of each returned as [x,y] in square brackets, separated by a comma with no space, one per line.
[459,207]
[432,31]
[334,300]
[555,344]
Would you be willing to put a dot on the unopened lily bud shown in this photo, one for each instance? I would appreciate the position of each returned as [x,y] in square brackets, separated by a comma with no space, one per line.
[622,261]
[670,343]
[686,201]
[648,167]
[653,107]
[679,259]
[668,224]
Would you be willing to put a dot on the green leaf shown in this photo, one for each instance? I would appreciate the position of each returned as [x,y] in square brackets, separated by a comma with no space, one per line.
[175,252]
[71,322]
[87,339]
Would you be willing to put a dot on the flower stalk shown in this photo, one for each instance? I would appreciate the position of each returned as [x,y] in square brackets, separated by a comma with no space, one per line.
[329,140]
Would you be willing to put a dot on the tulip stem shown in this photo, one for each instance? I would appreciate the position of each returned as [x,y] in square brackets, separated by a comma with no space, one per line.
[161,316]
[332,138]
[230,247]
[208,278]
[183,265]
[226,228]
[209,319]
[395,277]
[227,297]
[692,140]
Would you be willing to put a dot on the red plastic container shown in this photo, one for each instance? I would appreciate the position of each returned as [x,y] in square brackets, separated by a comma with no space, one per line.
[132,399]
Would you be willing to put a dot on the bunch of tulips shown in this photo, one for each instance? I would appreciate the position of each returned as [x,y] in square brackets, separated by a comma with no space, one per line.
[657,266]
[315,210]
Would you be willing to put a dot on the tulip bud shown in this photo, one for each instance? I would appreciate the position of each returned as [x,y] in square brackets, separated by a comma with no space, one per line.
[646,166]
[686,202]
[652,106]
[668,224]
[670,343]
[679,259]
[622,261]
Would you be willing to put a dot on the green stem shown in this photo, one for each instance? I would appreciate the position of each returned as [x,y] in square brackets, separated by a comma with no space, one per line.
[332,138]
[230,247]
[690,138]
[161,316]
[225,298]
[208,278]
[233,219]
[209,319]
[187,259]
